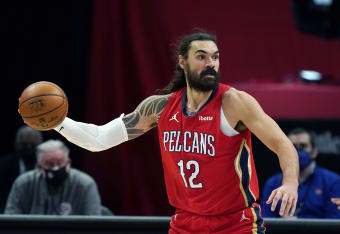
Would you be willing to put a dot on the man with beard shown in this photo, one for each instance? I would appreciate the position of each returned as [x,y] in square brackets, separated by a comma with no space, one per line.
[22,160]
[317,185]
[204,133]
[54,187]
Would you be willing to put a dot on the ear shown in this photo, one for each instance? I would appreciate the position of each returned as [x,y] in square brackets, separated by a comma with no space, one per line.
[68,166]
[314,153]
[181,61]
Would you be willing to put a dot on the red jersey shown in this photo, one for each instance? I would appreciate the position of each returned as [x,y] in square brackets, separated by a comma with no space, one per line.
[206,172]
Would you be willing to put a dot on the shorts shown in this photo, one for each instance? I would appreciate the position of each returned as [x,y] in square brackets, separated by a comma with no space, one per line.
[247,221]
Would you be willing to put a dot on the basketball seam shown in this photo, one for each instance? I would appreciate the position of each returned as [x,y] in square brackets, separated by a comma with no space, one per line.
[50,127]
[60,89]
[47,83]
[42,95]
[44,113]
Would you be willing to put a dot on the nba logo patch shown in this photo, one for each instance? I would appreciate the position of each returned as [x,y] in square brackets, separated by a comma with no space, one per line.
[65,208]
[318,191]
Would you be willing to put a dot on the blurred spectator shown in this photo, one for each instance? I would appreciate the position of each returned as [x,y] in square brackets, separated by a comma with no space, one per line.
[54,187]
[317,185]
[22,160]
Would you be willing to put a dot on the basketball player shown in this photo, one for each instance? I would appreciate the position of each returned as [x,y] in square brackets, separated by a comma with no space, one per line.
[205,139]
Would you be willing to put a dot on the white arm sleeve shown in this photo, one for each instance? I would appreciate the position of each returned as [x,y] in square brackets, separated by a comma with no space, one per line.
[92,137]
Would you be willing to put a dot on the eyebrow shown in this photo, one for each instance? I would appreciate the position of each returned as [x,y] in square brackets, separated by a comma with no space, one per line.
[205,52]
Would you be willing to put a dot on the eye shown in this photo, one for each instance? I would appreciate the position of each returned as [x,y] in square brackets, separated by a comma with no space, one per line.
[215,57]
[201,57]
[304,145]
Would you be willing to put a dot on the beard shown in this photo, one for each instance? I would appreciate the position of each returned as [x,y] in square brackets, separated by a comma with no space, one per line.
[200,83]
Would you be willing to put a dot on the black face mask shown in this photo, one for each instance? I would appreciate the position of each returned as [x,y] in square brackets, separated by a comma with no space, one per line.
[56,177]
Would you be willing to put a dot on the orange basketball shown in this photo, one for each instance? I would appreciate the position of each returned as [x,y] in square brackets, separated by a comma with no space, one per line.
[43,105]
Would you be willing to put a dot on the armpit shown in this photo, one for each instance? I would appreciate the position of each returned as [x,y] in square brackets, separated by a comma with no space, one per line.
[240,127]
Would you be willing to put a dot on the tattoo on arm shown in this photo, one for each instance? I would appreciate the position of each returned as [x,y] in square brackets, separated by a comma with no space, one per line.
[145,116]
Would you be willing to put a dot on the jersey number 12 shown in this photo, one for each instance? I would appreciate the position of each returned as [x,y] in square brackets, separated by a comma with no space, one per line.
[193,175]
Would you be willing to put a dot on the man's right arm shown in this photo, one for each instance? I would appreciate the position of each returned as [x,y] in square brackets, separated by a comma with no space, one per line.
[15,201]
[145,116]
[99,138]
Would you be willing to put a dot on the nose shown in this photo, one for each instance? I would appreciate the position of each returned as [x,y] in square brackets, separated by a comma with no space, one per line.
[210,63]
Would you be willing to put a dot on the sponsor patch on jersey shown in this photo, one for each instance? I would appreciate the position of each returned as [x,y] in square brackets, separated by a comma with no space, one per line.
[205,118]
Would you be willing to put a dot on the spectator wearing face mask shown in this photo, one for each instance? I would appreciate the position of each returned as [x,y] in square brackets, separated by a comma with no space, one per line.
[316,185]
[54,188]
[21,160]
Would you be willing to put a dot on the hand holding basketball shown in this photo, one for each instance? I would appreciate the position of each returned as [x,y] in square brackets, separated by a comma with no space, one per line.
[43,105]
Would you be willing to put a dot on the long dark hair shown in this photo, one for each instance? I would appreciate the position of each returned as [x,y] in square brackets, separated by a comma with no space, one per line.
[178,81]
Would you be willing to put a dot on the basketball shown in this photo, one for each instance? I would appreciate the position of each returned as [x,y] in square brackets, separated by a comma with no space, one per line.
[43,105]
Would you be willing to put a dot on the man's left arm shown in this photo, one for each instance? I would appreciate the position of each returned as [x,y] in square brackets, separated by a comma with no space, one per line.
[92,201]
[245,109]
[332,211]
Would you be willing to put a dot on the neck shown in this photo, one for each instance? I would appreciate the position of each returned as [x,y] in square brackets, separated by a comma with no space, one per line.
[196,99]
[305,173]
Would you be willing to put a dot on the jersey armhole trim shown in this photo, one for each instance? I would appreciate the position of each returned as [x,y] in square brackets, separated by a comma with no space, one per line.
[225,126]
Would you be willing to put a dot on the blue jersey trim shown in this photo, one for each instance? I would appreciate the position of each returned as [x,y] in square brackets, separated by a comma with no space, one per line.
[184,101]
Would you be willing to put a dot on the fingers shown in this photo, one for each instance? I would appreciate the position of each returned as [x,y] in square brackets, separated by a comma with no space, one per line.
[285,205]
[292,210]
[291,205]
[336,200]
[288,203]
[270,199]
[276,199]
